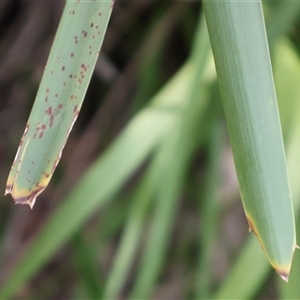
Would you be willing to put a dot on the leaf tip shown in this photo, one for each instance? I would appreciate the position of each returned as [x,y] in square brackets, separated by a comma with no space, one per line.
[22,196]
[29,202]
[284,270]
[284,274]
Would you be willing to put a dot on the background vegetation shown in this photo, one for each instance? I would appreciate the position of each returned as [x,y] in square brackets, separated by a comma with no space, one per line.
[145,201]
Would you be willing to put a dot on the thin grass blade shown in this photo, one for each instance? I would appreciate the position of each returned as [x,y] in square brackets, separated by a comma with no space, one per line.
[178,149]
[66,77]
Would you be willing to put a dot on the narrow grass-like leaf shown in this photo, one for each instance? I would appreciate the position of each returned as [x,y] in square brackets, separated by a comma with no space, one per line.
[67,74]
[133,229]
[239,43]
[86,263]
[209,213]
[178,148]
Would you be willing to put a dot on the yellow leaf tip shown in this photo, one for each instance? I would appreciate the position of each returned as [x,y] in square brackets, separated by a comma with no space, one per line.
[283,271]
[23,197]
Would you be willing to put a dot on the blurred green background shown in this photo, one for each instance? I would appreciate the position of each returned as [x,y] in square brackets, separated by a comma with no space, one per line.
[145,202]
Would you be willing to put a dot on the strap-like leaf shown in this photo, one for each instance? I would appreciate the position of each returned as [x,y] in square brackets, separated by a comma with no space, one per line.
[67,74]
[239,43]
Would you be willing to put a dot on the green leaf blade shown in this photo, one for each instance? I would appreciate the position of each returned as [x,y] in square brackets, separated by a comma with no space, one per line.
[243,65]
[66,77]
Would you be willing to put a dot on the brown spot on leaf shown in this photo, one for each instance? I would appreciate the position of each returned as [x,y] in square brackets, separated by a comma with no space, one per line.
[51,120]
[83,66]
[251,227]
[49,111]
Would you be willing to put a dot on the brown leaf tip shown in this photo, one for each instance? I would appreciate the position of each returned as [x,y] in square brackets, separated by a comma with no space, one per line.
[29,202]
[29,199]
[283,275]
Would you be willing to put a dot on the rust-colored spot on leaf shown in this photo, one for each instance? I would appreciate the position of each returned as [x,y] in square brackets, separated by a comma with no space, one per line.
[49,111]
[51,120]
[84,67]
[251,228]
